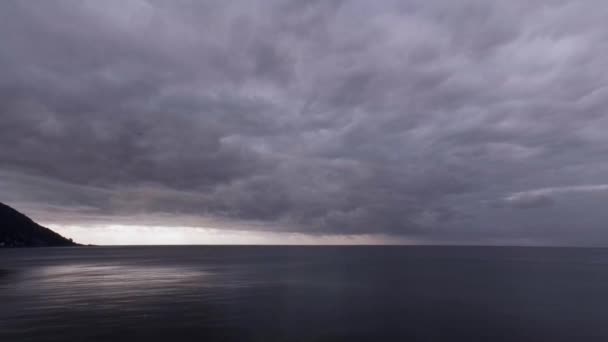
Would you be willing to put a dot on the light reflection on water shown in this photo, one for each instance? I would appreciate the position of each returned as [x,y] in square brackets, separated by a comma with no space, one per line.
[64,295]
[116,284]
[303,293]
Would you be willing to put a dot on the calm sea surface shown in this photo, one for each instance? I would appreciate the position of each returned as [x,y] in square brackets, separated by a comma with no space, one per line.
[303,294]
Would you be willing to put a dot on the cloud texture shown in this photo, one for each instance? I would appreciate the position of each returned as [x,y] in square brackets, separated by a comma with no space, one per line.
[427,119]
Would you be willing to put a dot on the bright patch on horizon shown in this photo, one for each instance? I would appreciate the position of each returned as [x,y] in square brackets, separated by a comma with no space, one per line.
[162,235]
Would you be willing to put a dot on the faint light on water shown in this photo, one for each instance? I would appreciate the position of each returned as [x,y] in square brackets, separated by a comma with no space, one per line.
[108,284]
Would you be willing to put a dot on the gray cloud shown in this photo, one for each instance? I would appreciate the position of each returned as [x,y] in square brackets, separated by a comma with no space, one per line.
[322,117]
[546,196]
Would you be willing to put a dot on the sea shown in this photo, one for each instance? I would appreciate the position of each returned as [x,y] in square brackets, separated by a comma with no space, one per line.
[303,293]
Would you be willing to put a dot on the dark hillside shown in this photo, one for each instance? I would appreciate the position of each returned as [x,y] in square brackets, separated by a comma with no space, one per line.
[18,230]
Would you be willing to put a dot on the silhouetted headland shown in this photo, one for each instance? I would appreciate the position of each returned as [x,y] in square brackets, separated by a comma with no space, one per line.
[18,230]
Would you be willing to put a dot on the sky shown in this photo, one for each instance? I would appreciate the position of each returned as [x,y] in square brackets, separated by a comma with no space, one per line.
[411,121]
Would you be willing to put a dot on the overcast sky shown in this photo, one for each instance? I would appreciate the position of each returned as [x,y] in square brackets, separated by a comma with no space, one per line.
[370,121]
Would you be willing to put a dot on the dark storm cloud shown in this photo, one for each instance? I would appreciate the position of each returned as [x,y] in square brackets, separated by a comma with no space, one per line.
[390,117]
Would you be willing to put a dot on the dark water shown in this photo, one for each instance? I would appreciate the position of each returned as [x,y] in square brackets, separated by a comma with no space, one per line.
[303,294]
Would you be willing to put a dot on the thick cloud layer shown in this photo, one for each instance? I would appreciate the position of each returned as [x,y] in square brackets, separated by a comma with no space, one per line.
[468,121]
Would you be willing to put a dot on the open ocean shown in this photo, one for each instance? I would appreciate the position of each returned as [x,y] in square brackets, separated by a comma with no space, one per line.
[271,293]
